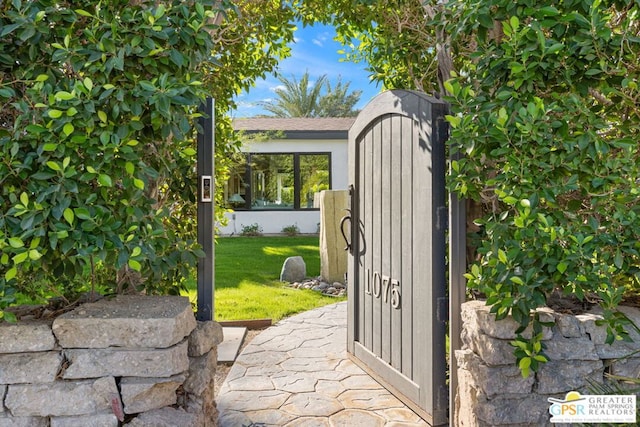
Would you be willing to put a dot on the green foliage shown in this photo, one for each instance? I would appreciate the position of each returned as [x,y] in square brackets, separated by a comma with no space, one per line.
[546,113]
[99,102]
[291,230]
[544,110]
[530,352]
[393,38]
[337,101]
[297,98]
[251,230]
[251,40]
[303,99]
[97,111]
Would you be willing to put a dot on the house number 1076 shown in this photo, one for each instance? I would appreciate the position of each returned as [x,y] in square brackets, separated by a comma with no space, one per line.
[382,287]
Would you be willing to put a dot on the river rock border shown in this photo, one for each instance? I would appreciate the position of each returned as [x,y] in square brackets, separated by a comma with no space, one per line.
[335,289]
[491,390]
[139,361]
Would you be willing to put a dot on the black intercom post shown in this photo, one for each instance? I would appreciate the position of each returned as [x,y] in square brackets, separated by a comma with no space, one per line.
[206,191]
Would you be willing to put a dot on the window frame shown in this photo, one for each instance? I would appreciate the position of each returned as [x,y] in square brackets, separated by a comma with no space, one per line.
[297,180]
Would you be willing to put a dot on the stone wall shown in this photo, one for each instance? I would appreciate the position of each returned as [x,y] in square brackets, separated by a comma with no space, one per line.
[491,390]
[139,361]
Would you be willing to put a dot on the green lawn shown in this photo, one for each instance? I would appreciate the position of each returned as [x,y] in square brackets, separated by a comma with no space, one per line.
[247,272]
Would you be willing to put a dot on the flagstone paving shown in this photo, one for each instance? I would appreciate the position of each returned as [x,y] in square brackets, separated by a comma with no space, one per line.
[297,373]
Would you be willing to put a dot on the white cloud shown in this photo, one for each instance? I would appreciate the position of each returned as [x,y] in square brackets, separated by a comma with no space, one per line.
[320,39]
[244,104]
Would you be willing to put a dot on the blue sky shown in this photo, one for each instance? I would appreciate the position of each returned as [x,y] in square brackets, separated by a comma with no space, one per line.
[314,50]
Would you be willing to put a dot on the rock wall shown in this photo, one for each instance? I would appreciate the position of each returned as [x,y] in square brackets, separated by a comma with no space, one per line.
[139,361]
[491,390]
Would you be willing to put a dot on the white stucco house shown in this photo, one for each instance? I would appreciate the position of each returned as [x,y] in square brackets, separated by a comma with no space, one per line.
[277,180]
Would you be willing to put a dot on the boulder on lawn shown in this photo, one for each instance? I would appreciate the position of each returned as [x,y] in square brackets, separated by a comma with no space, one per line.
[293,270]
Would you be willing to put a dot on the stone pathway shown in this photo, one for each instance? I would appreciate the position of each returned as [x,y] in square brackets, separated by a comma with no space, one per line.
[297,373]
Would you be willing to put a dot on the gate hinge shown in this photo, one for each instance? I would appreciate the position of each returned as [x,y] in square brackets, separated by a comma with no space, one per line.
[442,309]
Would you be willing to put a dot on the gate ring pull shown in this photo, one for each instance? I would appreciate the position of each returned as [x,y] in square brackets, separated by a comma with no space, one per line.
[343,221]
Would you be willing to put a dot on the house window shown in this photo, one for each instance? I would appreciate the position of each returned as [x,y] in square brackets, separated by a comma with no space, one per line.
[274,181]
[314,177]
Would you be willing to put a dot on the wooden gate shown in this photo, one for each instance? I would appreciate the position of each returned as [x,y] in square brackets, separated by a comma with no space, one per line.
[398,215]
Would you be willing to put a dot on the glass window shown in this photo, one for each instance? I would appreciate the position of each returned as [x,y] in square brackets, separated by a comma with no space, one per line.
[272,181]
[314,177]
[236,188]
[266,181]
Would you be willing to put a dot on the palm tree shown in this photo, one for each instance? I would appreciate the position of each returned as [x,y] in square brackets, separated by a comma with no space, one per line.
[337,102]
[297,98]
[303,99]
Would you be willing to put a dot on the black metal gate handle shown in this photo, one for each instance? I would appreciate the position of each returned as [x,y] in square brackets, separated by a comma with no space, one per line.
[343,221]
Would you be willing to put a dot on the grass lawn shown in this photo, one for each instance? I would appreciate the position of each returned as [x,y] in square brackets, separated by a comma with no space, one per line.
[247,272]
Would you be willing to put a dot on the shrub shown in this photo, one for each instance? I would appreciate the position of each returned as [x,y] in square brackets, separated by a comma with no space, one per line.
[251,230]
[291,230]
[98,106]
[546,114]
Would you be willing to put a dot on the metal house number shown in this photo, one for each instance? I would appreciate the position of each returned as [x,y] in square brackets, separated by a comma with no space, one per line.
[384,287]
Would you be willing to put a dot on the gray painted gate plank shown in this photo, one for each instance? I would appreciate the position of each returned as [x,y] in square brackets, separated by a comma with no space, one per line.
[375,242]
[399,244]
[407,248]
[367,244]
[386,139]
[396,240]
